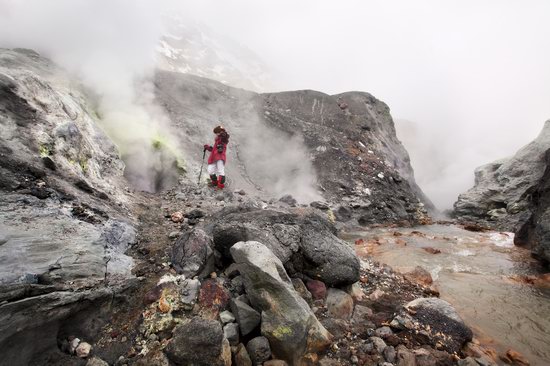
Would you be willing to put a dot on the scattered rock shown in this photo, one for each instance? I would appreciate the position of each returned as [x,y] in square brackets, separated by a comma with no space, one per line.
[390,354]
[320,205]
[287,321]
[231,332]
[213,295]
[96,361]
[383,332]
[73,344]
[176,216]
[227,317]
[247,317]
[174,234]
[339,304]
[289,200]
[317,289]
[301,288]
[419,275]
[431,250]
[83,350]
[356,292]
[242,358]
[379,344]
[515,358]
[258,350]
[199,342]
[192,254]
[405,357]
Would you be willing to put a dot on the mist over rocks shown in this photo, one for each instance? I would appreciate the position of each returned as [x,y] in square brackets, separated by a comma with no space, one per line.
[501,195]
[301,143]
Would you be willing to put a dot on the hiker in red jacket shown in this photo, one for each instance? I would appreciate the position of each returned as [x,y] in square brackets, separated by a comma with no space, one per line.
[216,160]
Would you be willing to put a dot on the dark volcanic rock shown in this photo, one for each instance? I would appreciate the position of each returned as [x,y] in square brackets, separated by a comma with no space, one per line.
[500,195]
[305,243]
[199,342]
[438,319]
[192,254]
[535,233]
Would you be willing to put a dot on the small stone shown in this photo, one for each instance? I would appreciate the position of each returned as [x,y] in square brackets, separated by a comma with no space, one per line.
[242,358]
[419,275]
[376,295]
[83,350]
[231,332]
[356,292]
[248,318]
[73,343]
[354,360]
[379,344]
[405,357]
[383,332]
[259,350]
[289,200]
[319,205]
[339,304]
[174,234]
[301,288]
[390,354]
[317,288]
[227,317]
[176,216]
[96,361]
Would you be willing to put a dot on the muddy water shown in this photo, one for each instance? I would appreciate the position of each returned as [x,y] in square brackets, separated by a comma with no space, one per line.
[478,273]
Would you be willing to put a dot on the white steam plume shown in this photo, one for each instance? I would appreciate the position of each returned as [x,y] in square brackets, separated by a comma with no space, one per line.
[110,46]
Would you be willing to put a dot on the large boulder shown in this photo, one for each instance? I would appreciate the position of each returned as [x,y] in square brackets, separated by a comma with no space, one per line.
[535,232]
[288,323]
[303,241]
[192,254]
[199,342]
[499,196]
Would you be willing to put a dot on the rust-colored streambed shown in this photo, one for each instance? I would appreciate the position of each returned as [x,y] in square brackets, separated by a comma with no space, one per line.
[481,274]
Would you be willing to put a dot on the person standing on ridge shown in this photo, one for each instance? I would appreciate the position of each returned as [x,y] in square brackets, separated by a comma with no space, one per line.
[217,158]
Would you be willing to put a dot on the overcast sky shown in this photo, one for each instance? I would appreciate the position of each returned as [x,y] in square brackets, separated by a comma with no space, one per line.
[471,78]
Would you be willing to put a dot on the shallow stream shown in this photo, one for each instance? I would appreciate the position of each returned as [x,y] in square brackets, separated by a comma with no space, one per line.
[481,274]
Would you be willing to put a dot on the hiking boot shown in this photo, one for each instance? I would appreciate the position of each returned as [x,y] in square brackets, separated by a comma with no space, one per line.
[213,180]
[221,181]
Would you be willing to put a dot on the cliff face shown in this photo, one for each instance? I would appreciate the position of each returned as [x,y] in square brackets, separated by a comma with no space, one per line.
[64,222]
[500,195]
[340,148]
[535,232]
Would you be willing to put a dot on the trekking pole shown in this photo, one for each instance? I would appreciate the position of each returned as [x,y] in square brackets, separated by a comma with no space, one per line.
[202,164]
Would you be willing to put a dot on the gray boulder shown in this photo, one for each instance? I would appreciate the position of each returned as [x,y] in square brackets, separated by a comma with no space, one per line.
[499,194]
[192,254]
[247,317]
[287,321]
[305,243]
[199,342]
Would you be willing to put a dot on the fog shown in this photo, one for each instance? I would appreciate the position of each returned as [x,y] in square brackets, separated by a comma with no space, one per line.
[469,80]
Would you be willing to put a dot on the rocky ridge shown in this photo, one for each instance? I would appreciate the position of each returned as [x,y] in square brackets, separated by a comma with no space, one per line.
[500,196]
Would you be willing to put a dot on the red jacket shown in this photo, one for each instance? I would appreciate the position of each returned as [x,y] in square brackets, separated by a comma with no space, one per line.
[215,155]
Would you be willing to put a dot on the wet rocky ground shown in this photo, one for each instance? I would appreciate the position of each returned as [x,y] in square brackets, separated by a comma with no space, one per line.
[201,300]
